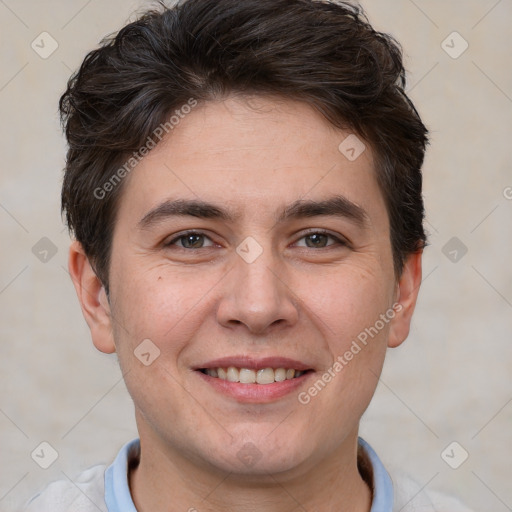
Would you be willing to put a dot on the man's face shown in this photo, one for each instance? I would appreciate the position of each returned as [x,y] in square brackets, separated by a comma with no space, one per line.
[266,285]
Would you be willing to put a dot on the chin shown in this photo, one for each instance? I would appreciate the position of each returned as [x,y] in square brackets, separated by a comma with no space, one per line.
[260,457]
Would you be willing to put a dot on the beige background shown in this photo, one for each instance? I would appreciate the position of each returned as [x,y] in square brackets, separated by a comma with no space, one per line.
[449,382]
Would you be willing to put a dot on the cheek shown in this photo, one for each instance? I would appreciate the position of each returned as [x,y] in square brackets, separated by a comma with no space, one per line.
[349,309]
[158,303]
[348,301]
[358,311]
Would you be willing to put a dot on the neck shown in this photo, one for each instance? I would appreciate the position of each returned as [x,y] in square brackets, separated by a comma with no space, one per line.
[164,476]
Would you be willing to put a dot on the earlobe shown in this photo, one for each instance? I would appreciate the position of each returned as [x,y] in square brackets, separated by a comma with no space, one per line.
[407,293]
[92,297]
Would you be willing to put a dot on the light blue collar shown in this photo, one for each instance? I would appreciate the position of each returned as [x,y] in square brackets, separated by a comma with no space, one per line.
[382,485]
[117,489]
[118,497]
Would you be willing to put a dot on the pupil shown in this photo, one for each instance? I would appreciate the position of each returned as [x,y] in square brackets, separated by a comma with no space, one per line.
[191,240]
[317,239]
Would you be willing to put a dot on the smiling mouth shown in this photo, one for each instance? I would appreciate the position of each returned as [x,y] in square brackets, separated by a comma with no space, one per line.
[251,376]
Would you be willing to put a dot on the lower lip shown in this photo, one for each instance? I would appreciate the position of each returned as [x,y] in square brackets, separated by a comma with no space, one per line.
[255,393]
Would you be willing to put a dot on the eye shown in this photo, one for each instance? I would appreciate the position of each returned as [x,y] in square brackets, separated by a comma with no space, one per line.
[190,240]
[319,239]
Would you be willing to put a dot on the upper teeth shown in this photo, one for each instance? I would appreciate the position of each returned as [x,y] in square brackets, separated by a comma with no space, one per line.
[248,376]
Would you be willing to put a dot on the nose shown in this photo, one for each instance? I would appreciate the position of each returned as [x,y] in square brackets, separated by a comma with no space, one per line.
[256,295]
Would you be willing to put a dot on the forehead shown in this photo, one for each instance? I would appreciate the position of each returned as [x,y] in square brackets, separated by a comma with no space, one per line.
[255,156]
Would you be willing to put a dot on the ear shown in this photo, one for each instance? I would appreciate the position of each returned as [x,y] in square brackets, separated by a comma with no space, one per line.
[93,299]
[407,290]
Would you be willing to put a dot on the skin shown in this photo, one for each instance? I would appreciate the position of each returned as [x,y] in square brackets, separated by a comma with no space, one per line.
[253,156]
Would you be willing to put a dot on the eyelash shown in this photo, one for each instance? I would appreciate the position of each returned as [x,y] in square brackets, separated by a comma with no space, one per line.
[339,241]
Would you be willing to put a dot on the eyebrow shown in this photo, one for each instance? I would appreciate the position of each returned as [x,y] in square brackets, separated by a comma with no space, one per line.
[336,206]
[183,208]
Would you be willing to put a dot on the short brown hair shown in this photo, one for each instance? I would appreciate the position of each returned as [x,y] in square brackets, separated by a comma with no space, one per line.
[323,53]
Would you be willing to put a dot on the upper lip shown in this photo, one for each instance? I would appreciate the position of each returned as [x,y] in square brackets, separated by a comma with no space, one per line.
[253,363]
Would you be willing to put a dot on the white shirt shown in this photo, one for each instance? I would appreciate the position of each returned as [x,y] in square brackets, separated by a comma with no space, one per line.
[107,490]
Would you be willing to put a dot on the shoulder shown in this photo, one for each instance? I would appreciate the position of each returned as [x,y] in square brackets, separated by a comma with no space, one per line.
[84,494]
[410,496]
